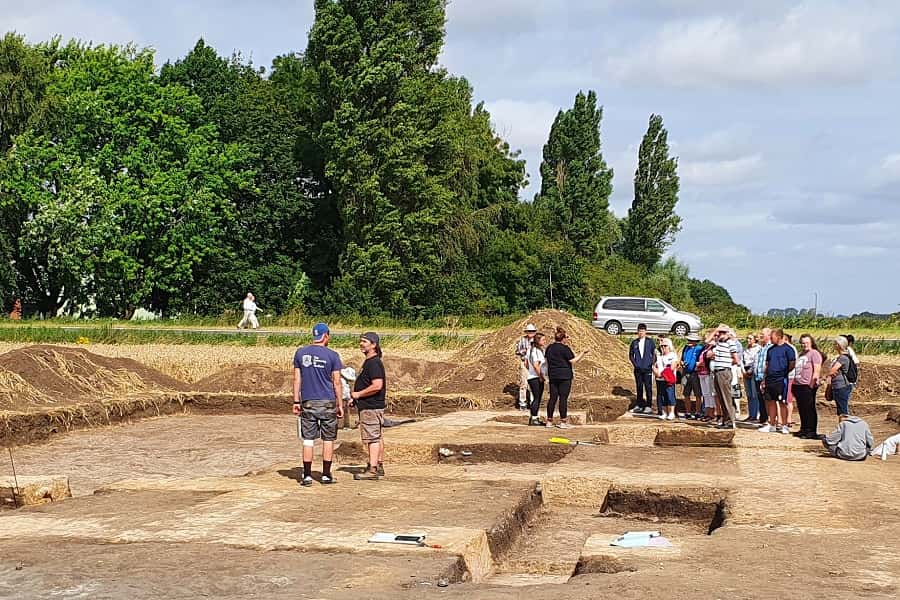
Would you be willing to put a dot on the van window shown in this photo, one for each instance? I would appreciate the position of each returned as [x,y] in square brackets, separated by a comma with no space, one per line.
[633,304]
[654,306]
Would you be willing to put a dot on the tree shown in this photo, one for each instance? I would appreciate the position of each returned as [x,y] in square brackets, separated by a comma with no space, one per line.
[707,293]
[407,162]
[131,178]
[651,224]
[576,182]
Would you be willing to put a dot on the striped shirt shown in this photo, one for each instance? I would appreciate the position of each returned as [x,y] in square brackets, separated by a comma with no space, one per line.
[760,371]
[722,357]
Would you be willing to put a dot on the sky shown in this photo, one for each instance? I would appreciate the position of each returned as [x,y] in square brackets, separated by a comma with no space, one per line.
[782,113]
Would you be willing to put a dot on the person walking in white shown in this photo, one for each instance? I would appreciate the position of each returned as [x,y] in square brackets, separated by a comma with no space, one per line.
[522,348]
[250,309]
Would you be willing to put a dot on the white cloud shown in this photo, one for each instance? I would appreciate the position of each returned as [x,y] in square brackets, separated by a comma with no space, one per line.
[888,170]
[40,21]
[720,172]
[845,251]
[818,43]
[729,143]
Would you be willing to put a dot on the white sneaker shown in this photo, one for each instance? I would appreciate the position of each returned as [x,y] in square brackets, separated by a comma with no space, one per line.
[765,428]
[785,429]
[637,410]
[671,417]
[661,417]
[549,423]
[648,410]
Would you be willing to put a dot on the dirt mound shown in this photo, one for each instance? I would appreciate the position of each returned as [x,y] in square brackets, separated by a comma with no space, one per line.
[45,375]
[877,382]
[410,374]
[489,368]
[248,379]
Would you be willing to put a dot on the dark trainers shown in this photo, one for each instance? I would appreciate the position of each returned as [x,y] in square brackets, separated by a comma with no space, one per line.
[367,475]
[380,470]
[327,479]
[306,481]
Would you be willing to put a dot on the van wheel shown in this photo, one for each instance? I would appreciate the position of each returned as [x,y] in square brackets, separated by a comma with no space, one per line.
[681,329]
[613,328]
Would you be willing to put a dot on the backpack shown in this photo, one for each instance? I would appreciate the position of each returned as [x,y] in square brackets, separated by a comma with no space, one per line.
[852,373]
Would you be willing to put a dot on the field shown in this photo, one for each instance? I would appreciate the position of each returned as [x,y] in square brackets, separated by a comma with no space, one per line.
[182,462]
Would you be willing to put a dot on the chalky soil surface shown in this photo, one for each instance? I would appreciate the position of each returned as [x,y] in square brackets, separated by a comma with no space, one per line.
[210,506]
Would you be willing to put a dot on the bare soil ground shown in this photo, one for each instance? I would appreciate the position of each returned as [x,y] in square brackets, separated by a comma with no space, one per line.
[194,506]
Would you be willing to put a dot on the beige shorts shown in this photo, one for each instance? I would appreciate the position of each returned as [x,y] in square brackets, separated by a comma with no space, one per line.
[371,420]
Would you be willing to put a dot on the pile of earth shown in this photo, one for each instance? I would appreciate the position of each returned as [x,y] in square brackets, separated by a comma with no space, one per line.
[40,376]
[248,379]
[403,374]
[489,368]
[877,382]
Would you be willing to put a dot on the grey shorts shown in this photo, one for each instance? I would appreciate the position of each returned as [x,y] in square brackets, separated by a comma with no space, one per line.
[371,420]
[318,419]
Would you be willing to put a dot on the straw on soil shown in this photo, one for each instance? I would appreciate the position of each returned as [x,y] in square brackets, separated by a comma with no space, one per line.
[488,366]
[67,375]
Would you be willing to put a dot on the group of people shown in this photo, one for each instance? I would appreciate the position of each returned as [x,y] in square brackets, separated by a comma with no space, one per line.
[717,372]
[546,365]
[318,402]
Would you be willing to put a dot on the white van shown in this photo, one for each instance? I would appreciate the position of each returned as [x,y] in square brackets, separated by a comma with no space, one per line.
[622,314]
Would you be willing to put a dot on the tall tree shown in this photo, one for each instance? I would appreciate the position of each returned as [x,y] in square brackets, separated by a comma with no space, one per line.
[397,139]
[575,180]
[651,224]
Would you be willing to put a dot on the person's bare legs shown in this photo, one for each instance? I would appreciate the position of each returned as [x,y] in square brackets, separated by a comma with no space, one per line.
[327,451]
[375,454]
[772,409]
[783,411]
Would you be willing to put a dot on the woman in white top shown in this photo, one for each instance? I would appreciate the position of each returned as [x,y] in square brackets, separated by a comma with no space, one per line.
[537,375]
[664,370]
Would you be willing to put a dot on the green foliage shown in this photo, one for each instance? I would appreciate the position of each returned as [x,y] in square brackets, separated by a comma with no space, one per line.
[358,178]
[651,224]
[576,182]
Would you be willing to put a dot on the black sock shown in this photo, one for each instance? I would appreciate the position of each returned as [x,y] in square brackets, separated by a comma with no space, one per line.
[307,469]
[326,468]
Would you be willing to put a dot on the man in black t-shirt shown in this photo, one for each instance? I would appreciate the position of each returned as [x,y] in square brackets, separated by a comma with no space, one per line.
[368,395]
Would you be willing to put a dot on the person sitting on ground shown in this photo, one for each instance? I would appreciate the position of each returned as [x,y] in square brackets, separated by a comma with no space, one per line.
[642,355]
[537,375]
[690,360]
[852,440]
[664,370]
[369,396]
[888,447]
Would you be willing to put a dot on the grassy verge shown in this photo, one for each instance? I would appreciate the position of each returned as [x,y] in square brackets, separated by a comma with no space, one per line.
[137,336]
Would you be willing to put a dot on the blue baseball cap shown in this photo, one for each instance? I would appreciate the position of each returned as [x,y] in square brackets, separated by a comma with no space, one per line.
[319,331]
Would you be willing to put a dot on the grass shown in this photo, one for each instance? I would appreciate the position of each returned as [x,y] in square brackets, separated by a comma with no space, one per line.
[108,335]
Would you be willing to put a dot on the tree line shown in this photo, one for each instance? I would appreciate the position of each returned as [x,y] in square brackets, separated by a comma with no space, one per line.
[357,177]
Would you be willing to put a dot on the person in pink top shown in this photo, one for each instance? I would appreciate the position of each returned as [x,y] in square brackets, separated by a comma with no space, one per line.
[807,375]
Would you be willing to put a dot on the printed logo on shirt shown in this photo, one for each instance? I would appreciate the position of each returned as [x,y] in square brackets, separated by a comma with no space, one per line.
[315,362]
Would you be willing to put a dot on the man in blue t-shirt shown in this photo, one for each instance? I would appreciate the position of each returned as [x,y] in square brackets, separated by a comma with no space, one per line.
[780,360]
[317,393]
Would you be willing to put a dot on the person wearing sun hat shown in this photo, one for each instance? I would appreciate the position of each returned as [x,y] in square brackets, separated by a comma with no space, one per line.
[522,349]
[317,400]
[369,396]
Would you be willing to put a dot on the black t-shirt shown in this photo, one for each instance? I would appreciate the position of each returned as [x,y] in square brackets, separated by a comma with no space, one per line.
[373,368]
[558,356]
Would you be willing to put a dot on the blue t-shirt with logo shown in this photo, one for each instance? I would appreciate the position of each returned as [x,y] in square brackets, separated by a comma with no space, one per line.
[316,364]
[690,355]
[779,359]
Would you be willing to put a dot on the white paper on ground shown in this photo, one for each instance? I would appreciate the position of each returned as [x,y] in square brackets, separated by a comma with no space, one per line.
[413,539]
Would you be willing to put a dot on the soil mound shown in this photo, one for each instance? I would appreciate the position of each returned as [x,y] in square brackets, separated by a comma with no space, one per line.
[489,368]
[45,375]
[877,382]
[248,379]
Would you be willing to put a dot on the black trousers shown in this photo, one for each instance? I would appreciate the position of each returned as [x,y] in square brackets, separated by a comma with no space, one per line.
[536,386]
[763,411]
[806,406]
[643,381]
[559,392]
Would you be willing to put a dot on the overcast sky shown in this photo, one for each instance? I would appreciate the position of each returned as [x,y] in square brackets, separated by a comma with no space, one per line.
[783,114]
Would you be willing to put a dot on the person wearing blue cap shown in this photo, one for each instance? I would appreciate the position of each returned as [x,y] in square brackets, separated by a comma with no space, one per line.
[317,400]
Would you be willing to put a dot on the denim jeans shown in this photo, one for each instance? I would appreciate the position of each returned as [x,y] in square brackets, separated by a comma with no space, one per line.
[644,383]
[752,398]
[665,395]
[842,399]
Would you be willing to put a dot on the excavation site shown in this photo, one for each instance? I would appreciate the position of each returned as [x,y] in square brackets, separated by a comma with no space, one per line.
[174,472]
